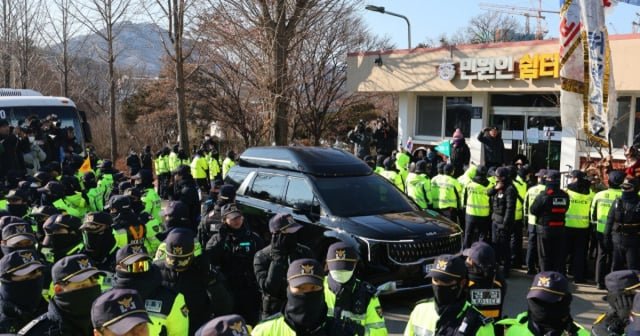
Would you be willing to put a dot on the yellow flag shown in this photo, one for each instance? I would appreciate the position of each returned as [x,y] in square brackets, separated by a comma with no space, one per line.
[86,166]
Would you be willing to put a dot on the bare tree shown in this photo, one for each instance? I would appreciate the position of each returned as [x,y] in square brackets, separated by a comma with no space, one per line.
[29,24]
[276,26]
[319,65]
[178,16]
[493,27]
[61,29]
[7,29]
[102,18]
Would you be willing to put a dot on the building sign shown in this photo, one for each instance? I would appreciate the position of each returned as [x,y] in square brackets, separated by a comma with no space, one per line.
[529,66]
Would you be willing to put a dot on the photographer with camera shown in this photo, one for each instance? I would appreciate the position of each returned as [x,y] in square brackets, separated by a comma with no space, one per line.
[362,138]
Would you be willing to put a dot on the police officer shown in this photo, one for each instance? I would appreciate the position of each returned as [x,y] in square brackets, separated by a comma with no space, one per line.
[211,222]
[163,173]
[128,226]
[39,215]
[549,208]
[305,312]
[99,241]
[91,192]
[152,203]
[448,192]
[62,237]
[577,223]
[478,208]
[487,289]
[189,275]
[622,230]
[18,202]
[54,195]
[199,170]
[185,190]
[175,215]
[532,246]
[271,263]
[391,174]
[621,287]
[228,162]
[449,312]
[76,287]
[20,273]
[549,313]
[600,206]
[119,312]
[503,200]
[518,224]
[227,325]
[166,307]
[106,179]
[419,184]
[17,236]
[231,252]
[349,298]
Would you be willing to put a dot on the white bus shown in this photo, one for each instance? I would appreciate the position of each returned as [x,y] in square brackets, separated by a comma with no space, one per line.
[16,105]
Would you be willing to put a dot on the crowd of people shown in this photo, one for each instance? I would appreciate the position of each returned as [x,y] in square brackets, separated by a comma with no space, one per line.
[163,249]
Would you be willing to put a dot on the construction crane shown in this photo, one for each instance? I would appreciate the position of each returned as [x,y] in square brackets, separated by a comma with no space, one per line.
[635,24]
[528,13]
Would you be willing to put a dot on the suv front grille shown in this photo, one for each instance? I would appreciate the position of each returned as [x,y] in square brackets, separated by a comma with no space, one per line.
[417,251]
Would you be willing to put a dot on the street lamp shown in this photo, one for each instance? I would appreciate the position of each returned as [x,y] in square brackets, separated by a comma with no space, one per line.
[381,9]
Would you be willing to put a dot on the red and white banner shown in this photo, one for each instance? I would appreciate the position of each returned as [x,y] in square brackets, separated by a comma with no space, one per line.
[571,66]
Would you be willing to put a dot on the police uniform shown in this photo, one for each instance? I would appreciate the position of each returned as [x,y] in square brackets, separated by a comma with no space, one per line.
[418,185]
[150,198]
[227,325]
[478,208]
[458,317]
[518,223]
[487,290]
[19,302]
[621,287]
[53,252]
[166,308]
[547,290]
[288,323]
[119,311]
[577,223]
[446,193]
[391,175]
[600,206]
[227,163]
[69,313]
[270,264]
[622,230]
[503,202]
[549,208]
[532,246]
[349,298]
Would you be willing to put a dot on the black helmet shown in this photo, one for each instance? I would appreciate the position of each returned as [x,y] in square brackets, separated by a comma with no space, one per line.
[421,167]
[119,203]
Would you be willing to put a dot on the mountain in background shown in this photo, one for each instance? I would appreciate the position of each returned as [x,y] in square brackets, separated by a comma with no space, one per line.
[138,47]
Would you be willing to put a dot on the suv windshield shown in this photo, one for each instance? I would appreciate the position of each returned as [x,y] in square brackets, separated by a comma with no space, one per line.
[361,196]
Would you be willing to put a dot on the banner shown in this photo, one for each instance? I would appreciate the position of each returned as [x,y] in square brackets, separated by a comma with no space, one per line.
[599,97]
[571,66]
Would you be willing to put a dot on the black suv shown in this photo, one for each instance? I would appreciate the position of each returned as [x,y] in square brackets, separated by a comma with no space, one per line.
[337,196]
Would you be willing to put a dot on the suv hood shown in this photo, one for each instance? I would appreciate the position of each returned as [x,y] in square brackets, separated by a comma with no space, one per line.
[399,226]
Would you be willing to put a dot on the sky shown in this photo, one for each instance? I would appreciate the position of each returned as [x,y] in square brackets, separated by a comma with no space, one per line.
[432,18]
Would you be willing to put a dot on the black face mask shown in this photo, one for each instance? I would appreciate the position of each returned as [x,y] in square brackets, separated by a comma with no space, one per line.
[77,303]
[18,210]
[62,242]
[90,184]
[26,295]
[99,244]
[306,310]
[550,317]
[144,282]
[285,242]
[446,295]
[621,303]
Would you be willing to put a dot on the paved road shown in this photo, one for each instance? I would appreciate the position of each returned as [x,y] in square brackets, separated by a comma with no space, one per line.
[587,303]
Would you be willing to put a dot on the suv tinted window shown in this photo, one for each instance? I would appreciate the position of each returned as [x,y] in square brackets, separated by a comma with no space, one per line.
[361,196]
[268,187]
[299,194]
[235,177]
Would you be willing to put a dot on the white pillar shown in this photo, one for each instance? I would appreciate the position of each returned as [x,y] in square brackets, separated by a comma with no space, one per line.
[406,116]
[478,100]
[569,149]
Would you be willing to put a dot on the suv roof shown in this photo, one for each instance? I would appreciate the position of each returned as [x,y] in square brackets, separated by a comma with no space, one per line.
[310,160]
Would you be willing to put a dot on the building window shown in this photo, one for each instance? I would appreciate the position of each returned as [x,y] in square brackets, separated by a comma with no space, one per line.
[458,116]
[431,113]
[620,129]
[429,118]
